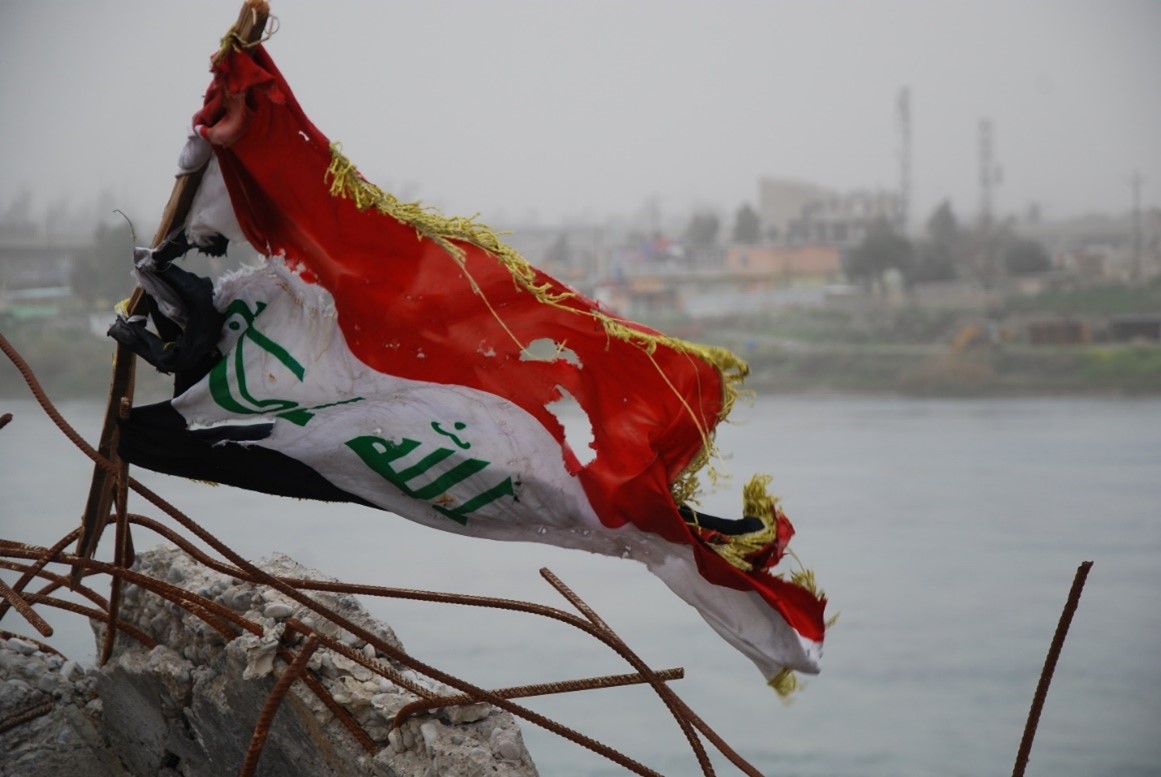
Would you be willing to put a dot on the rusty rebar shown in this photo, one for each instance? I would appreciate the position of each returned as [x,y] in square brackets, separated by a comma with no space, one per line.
[25,714]
[192,602]
[122,555]
[481,694]
[667,694]
[273,702]
[472,691]
[95,615]
[1049,668]
[270,580]
[339,711]
[373,664]
[42,399]
[54,583]
[732,755]
[207,609]
[210,612]
[539,689]
[21,605]
[38,565]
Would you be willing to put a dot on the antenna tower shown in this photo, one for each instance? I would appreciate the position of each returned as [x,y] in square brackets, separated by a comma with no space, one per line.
[1135,182]
[903,107]
[989,172]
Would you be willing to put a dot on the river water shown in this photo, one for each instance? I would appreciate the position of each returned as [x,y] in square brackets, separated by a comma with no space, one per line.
[946,532]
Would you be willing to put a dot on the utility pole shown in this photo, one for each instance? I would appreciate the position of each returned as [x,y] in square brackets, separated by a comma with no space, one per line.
[653,213]
[903,106]
[1135,181]
[990,173]
[989,178]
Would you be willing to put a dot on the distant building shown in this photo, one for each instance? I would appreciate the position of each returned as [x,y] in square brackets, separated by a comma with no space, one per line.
[782,202]
[793,264]
[1058,331]
[576,254]
[1132,328]
[35,276]
[800,213]
[1097,248]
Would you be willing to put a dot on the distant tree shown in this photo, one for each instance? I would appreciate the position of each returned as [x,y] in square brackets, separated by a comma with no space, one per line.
[943,227]
[101,273]
[937,257]
[560,252]
[702,231]
[747,226]
[16,220]
[932,264]
[1026,257]
[882,249]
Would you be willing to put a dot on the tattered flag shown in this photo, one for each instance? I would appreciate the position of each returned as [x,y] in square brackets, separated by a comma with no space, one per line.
[387,355]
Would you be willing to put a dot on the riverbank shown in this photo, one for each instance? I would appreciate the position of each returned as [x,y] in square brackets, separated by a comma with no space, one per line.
[918,370]
[1058,343]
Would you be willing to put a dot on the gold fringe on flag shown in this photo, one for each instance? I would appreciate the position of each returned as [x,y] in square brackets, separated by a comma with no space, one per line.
[739,550]
[756,503]
[784,683]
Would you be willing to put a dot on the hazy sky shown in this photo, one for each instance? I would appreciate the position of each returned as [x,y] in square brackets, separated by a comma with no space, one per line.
[515,108]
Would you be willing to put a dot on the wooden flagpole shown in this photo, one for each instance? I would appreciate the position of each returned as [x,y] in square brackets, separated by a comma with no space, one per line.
[248,30]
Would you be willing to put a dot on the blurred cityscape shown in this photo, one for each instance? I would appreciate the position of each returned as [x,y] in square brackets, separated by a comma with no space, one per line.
[818,289]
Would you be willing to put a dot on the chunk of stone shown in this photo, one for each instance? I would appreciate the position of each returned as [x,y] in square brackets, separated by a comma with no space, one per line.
[188,706]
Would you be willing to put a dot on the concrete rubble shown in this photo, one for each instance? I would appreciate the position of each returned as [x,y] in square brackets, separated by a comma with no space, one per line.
[187,708]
